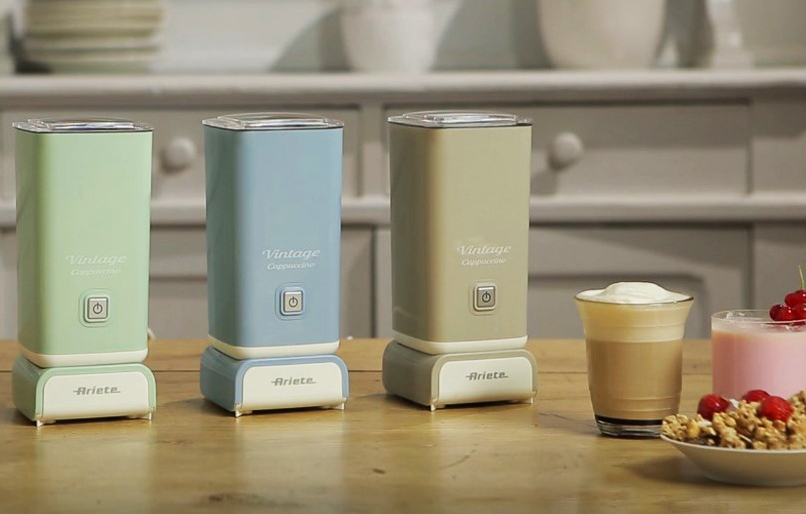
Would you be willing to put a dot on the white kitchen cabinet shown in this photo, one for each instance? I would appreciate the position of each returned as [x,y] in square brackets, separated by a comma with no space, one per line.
[779,145]
[712,264]
[8,285]
[778,250]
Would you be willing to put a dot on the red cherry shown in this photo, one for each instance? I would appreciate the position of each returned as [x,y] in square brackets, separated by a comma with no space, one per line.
[796,298]
[775,408]
[711,404]
[756,395]
[786,314]
[799,311]
[775,311]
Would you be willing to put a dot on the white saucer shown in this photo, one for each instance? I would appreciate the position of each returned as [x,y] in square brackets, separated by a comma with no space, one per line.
[768,468]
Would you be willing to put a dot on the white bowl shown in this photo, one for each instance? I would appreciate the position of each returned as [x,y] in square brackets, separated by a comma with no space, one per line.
[601,34]
[769,468]
[390,39]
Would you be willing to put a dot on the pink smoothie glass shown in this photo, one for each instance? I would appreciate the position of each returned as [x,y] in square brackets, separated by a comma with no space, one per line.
[752,352]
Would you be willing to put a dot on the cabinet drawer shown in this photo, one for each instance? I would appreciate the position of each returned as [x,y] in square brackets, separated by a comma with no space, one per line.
[778,250]
[779,145]
[628,150]
[179,147]
[713,265]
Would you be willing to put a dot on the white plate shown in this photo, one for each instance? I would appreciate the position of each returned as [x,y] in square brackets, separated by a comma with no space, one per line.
[104,62]
[108,27]
[105,68]
[78,44]
[770,468]
[74,7]
[67,21]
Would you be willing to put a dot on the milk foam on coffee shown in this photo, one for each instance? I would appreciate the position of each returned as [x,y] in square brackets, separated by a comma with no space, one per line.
[633,312]
[632,293]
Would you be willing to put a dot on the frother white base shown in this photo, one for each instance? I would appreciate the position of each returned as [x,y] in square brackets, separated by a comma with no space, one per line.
[47,395]
[473,377]
[246,386]
[270,352]
[447,347]
[83,359]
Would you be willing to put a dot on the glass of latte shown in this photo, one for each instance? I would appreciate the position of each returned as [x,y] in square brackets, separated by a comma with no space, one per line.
[634,339]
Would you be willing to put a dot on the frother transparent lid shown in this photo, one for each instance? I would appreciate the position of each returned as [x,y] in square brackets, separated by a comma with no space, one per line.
[459,119]
[272,121]
[71,125]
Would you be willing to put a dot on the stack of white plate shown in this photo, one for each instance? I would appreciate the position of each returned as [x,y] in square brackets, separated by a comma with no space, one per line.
[72,36]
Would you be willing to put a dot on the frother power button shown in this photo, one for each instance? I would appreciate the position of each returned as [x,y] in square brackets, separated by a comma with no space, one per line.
[291,303]
[97,309]
[484,298]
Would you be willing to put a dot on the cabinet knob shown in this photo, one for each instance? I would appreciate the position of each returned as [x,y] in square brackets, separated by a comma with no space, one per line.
[564,151]
[179,154]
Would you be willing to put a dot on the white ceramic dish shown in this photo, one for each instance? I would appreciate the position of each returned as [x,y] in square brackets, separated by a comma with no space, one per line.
[67,20]
[77,44]
[95,62]
[767,468]
[103,28]
[77,7]
[601,34]
[402,39]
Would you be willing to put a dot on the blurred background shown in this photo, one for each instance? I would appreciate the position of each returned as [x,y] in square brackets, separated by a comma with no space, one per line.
[257,36]
[669,137]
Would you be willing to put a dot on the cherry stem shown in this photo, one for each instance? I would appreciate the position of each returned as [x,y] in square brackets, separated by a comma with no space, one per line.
[802,282]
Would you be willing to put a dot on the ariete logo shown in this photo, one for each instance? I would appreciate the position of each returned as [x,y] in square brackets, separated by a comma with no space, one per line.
[487,375]
[96,390]
[293,381]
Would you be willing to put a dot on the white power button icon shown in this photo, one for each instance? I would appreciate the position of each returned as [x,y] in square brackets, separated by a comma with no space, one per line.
[291,303]
[484,297]
[96,309]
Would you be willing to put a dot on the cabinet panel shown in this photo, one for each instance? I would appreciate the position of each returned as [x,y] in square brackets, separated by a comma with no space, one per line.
[711,264]
[8,285]
[178,289]
[779,145]
[356,282]
[778,250]
[179,147]
[584,150]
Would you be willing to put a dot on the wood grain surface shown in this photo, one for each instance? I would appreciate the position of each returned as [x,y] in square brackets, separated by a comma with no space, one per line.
[381,454]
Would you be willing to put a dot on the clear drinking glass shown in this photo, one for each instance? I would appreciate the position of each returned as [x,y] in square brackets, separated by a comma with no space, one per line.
[635,362]
[752,352]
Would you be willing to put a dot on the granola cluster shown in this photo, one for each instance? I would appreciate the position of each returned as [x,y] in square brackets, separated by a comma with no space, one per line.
[742,427]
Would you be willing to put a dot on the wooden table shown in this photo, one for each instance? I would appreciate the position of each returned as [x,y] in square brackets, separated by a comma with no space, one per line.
[379,455]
